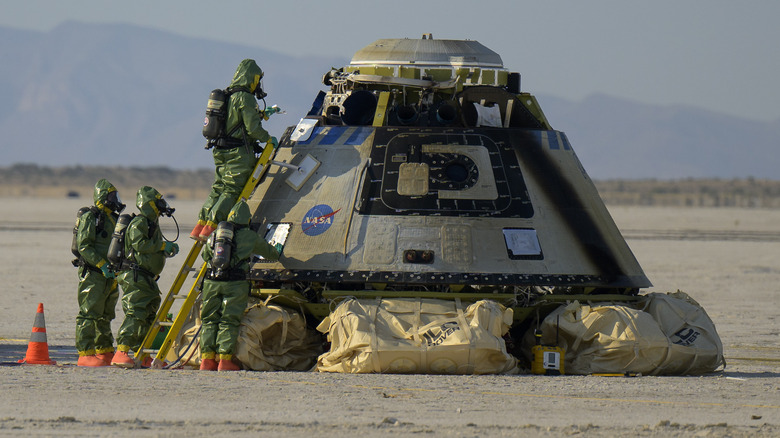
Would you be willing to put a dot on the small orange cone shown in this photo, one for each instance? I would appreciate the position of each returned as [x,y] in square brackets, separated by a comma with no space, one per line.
[38,348]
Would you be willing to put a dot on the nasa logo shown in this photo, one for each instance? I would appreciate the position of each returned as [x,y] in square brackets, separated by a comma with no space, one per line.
[206,122]
[317,220]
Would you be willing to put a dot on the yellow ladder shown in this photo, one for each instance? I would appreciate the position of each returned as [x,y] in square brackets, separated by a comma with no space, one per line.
[175,326]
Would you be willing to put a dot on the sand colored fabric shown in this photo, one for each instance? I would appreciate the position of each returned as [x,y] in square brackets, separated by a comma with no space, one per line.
[696,347]
[417,336]
[663,334]
[185,346]
[270,338]
[274,338]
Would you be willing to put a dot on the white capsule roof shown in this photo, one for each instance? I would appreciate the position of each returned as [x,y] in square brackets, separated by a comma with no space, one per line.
[427,52]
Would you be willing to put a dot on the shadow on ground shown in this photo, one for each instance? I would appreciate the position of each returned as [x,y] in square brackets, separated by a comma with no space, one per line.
[11,352]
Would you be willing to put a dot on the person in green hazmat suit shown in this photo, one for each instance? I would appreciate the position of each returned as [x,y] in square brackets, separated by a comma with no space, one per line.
[234,155]
[145,254]
[226,288]
[97,290]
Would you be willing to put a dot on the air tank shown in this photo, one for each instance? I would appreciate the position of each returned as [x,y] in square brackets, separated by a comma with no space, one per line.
[425,171]
[116,249]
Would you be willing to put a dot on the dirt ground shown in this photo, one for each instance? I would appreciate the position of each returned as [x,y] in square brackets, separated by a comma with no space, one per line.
[726,259]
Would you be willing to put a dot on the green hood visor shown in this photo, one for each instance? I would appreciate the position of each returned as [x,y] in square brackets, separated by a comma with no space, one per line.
[240,214]
[248,75]
[106,197]
[146,201]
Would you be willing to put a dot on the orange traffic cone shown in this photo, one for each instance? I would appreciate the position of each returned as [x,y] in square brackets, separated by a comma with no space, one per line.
[38,348]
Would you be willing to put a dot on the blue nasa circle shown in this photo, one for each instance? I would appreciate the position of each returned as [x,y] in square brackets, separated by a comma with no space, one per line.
[317,220]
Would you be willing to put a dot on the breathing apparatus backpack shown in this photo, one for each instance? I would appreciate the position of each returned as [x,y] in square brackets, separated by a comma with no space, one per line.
[116,249]
[223,247]
[215,124]
[74,246]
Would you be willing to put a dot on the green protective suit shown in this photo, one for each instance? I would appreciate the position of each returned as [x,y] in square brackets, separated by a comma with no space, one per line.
[234,166]
[224,301]
[144,247]
[97,295]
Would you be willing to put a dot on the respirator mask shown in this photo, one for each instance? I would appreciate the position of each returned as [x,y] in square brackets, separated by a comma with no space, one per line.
[259,93]
[113,202]
[164,208]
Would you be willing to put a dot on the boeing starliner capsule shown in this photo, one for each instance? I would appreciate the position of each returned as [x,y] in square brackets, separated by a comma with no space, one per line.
[425,171]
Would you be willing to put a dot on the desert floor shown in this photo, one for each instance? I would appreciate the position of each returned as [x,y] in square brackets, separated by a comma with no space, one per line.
[726,259]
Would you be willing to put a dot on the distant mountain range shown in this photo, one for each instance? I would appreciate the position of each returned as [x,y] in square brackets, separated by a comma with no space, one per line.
[123,95]
[90,94]
[616,138]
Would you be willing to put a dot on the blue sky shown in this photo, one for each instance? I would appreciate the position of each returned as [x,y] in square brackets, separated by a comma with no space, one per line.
[715,54]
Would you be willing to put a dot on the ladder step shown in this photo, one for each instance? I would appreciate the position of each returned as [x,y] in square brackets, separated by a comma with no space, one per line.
[171,298]
[165,323]
[149,351]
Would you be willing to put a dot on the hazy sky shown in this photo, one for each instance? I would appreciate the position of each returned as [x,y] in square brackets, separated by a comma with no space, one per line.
[720,55]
